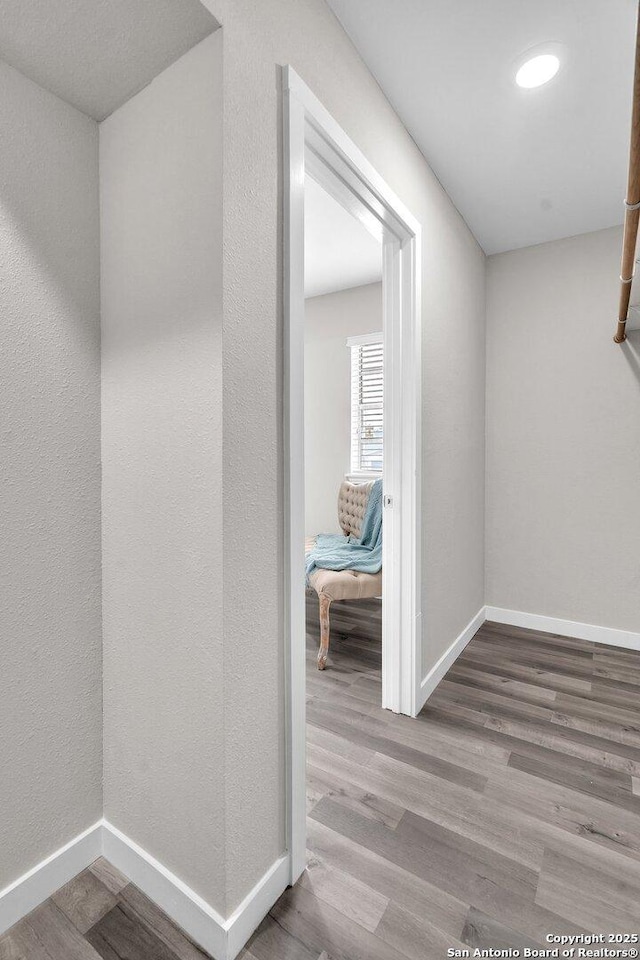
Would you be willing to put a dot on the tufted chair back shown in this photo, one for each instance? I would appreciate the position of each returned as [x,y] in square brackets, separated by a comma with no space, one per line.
[352,505]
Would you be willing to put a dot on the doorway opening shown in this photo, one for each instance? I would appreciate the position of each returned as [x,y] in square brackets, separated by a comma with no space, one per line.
[343,426]
[320,157]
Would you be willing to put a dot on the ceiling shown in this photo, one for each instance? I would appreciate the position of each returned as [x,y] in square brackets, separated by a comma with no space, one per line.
[98,54]
[338,251]
[522,166]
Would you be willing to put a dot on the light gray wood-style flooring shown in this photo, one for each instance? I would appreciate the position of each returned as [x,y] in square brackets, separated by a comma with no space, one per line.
[509,810]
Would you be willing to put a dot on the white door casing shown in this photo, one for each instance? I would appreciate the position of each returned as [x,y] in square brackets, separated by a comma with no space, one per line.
[315,145]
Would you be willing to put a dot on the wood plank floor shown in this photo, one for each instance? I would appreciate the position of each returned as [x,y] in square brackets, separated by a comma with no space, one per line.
[508,810]
[98,915]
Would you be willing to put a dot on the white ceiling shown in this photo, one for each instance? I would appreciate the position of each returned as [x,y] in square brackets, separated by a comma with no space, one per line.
[522,166]
[338,251]
[96,54]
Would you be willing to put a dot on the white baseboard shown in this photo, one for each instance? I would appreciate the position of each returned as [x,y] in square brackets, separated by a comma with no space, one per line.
[38,884]
[185,907]
[451,654]
[567,628]
[531,621]
[223,939]
[256,905]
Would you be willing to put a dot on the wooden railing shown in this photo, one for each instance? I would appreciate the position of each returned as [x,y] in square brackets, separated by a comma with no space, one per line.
[632,205]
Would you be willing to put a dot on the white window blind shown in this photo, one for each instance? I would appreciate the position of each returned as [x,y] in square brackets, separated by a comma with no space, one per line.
[367,386]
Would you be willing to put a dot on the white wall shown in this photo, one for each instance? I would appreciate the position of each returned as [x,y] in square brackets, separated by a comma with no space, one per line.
[329,320]
[257,39]
[192,466]
[50,644]
[192,440]
[563,422]
[160,164]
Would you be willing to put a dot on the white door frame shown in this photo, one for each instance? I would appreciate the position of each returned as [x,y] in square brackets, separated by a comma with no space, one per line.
[314,144]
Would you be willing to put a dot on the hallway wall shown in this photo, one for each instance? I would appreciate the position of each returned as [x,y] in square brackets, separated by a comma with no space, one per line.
[563,429]
[160,184]
[50,620]
[258,38]
[192,443]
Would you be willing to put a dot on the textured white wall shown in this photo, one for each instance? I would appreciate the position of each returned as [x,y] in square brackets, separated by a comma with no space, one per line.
[304,33]
[563,421]
[160,165]
[328,321]
[50,649]
[190,465]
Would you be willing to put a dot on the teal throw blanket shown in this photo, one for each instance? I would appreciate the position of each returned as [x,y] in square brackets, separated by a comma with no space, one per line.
[337,552]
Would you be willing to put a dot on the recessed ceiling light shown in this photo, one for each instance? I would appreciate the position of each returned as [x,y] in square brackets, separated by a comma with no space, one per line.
[538,70]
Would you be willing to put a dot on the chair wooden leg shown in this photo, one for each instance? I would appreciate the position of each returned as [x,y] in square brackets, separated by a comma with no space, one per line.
[325,603]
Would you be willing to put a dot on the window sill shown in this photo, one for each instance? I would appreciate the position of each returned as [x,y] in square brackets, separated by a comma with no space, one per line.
[361,477]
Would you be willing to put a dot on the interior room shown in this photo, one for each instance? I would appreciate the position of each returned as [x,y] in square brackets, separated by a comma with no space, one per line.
[343,432]
[319,460]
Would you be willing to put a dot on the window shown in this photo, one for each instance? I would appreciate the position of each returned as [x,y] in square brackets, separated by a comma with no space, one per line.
[367,379]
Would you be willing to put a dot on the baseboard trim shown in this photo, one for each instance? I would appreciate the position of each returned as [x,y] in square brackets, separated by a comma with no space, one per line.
[185,907]
[567,628]
[37,885]
[256,905]
[451,654]
[223,939]
[531,621]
